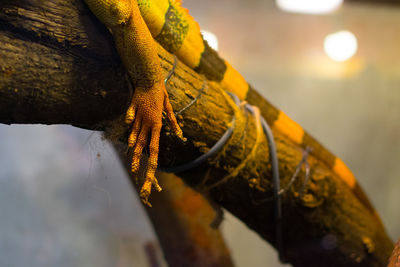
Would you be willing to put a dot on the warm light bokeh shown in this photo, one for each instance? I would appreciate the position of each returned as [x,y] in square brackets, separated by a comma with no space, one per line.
[340,46]
[309,6]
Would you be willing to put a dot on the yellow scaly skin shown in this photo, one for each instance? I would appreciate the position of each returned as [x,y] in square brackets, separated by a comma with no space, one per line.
[138,52]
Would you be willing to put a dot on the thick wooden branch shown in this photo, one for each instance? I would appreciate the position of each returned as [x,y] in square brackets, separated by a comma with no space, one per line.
[58,65]
[183,219]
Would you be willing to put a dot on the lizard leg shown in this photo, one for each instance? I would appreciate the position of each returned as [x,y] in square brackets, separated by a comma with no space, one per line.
[138,51]
[147,106]
[154,146]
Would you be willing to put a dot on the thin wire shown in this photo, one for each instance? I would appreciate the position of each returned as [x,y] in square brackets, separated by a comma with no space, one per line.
[218,146]
[276,185]
[213,150]
[307,170]
[293,178]
[303,160]
[193,101]
[172,70]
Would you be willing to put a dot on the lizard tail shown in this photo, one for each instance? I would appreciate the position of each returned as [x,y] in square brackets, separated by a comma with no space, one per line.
[177,31]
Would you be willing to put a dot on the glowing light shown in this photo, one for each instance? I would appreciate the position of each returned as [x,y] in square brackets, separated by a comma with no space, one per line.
[211,39]
[341,45]
[309,6]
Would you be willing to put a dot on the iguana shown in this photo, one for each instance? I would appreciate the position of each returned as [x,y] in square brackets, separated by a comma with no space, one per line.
[136,25]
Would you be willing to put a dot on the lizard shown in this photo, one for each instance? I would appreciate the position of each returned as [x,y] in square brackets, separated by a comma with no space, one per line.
[138,52]
[171,25]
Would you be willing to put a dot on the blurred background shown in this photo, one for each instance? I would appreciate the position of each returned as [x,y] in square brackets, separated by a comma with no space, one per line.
[334,68]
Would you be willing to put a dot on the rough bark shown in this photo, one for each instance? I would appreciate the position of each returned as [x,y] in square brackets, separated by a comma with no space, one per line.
[58,65]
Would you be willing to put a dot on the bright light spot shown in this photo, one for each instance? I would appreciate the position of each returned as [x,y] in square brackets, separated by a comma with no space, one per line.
[341,45]
[211,39]
[309,6]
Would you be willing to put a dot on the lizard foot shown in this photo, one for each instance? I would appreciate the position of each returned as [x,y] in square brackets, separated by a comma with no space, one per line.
[145,113]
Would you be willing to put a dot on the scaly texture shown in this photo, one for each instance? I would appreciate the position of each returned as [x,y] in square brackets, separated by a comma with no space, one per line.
[138,52]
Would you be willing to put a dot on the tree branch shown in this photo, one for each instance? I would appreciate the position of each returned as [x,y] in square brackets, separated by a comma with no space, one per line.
[182,219]
[57,66]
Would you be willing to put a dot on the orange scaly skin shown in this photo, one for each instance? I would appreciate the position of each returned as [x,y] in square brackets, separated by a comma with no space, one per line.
[138,52]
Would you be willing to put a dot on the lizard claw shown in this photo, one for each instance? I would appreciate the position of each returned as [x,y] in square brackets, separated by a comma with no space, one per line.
[145,112]
[146,189]
[171,117]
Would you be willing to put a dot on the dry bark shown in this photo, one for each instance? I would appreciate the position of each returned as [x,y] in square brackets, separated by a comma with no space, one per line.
[58,65]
